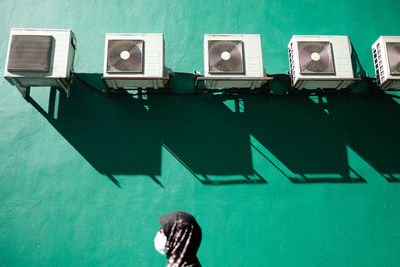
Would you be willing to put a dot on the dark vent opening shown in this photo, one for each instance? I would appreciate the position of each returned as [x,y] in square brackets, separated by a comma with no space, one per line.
[30,53]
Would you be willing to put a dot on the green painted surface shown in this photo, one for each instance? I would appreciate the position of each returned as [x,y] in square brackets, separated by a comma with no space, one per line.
[284,181]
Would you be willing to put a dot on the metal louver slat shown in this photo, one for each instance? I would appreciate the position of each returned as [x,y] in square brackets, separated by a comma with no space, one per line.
[30,53]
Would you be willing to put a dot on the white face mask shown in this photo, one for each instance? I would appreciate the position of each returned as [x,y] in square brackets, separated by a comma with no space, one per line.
[159,243]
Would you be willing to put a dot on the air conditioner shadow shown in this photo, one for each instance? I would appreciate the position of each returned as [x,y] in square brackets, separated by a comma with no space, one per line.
[371,127]
[125,134]
[115,135]
[297,137]
[206,137]
[215,136]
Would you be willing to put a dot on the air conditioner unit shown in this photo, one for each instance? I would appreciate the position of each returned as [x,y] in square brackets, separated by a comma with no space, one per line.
[134,61]
[386,54]
[40,57]
[320,61]
[233,61]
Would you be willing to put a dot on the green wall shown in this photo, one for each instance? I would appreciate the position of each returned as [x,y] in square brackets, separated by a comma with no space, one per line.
[273,181]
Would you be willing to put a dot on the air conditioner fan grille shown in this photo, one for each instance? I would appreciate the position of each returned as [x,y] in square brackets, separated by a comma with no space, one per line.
[125,56]
[315,58]
[393,53]
[225,56]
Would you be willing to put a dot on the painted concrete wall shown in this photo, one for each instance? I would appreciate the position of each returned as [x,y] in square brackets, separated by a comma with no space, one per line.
[280,181]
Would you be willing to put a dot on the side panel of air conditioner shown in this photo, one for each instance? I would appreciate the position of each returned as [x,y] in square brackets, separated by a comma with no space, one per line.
[292,64]
[385,80]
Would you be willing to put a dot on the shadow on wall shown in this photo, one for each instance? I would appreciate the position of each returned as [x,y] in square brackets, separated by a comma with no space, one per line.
[297,135]
[214,135]
[116,136]
[125,135]
[372,129]
[301,136]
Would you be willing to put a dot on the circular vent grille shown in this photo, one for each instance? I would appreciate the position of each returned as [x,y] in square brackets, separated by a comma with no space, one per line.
[225,57]
[125,56]
[315,58]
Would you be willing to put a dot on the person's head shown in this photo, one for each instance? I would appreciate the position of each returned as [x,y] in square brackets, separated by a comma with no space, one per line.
[181,235]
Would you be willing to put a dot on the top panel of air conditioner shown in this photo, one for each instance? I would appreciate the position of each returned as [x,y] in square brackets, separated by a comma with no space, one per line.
[233,55]
[40,53]
[320,61]
[386,55]
[134,55]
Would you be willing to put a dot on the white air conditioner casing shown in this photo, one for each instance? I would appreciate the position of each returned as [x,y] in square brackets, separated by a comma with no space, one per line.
[60,59]
[337,72]
[385,78]
[153,73]
[250,74]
